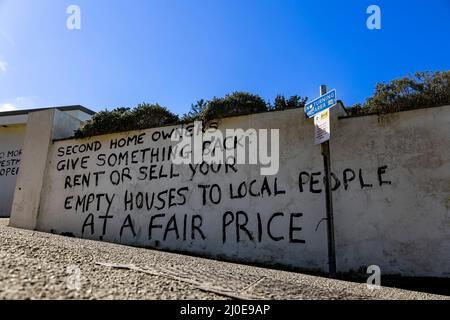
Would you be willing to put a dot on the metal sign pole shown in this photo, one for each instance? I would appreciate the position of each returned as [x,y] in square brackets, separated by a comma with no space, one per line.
[329,201]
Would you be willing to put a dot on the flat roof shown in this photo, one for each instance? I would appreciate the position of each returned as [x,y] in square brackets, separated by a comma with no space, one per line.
[63,108]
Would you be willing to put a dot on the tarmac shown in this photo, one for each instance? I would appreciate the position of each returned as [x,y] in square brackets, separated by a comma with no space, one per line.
[35,265]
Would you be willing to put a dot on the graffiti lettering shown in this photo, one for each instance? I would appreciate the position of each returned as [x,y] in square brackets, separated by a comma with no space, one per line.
[350,179]
[239,224]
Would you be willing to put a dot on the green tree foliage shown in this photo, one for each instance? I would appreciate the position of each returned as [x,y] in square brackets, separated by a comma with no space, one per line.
[197,109]
[125,119]
[153,115]
[424,89]
[237,103]
[293,102]
[240,103]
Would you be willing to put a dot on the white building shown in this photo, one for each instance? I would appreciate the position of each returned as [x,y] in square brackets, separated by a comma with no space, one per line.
[12,132]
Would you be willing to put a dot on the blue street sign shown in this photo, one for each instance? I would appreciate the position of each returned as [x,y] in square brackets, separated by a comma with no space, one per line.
[324,102]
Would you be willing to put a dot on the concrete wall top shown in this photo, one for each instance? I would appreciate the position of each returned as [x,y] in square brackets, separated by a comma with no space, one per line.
[21,116]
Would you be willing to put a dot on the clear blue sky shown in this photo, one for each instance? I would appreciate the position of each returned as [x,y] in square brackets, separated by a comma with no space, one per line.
[175,52]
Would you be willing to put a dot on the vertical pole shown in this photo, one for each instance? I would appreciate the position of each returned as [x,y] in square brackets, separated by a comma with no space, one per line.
[329,201]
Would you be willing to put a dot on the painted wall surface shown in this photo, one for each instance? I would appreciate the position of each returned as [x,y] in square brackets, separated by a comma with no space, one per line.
[391,179]
[10,153]
[397,214]
[119,194]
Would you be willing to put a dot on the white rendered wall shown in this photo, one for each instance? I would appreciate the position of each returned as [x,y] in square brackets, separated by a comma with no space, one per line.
[391,198]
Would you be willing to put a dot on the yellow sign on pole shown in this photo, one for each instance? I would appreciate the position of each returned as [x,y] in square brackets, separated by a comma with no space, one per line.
[322,127]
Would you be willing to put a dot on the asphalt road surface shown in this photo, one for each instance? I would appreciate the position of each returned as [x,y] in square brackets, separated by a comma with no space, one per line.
[36,265]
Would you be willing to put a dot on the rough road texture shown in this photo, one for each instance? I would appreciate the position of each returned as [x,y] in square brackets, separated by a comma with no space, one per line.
[35,265]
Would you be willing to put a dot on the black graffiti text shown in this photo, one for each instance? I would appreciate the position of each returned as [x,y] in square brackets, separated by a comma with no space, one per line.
[240,226]
[350,178]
